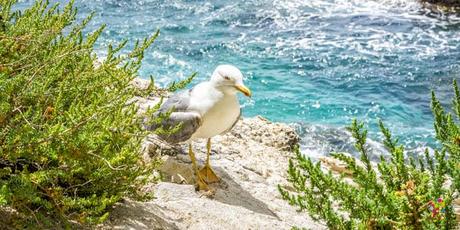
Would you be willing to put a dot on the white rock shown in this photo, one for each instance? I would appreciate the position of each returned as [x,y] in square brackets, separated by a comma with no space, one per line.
[251,161]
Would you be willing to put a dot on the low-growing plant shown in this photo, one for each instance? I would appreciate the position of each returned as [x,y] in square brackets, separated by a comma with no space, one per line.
[69,133]
[399,192]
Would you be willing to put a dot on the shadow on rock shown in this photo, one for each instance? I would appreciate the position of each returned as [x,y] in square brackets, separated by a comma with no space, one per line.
[227,191]
[137,215]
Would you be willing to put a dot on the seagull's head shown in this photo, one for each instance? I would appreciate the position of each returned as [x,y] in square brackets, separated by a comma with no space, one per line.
[229,79]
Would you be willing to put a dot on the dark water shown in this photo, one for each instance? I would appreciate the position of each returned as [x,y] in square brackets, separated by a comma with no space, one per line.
[316,63]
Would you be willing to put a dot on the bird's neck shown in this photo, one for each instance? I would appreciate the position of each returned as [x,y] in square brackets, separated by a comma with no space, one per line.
[224,89]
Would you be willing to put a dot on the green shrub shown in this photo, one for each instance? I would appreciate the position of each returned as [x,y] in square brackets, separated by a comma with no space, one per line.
[397,193]
[69,139]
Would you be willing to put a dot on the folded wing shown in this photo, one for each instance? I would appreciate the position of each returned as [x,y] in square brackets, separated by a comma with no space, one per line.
[188,121]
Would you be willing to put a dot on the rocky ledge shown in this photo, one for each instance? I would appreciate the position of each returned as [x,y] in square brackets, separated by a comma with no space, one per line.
[251,161]
[448,4]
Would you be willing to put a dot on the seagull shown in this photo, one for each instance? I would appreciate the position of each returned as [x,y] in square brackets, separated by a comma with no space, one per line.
[210,108]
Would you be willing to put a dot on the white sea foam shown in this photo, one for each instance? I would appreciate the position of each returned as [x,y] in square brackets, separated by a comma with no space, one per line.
[420,32]
[321,140]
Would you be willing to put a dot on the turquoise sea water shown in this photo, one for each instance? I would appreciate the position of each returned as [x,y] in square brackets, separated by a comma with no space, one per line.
[315,63]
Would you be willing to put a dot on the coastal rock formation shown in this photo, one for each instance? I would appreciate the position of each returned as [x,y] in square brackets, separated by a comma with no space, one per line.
[251,161]
[453,4]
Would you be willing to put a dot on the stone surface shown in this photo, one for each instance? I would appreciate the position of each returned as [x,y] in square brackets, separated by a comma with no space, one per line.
[251,160]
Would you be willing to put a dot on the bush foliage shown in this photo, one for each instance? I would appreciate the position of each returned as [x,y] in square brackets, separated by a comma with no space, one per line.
[69,138]
[399,192]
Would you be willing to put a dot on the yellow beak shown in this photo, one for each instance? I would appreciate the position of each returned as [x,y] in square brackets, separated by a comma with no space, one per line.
[244,90]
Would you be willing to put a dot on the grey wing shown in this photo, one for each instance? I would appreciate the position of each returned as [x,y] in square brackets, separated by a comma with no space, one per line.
[234,123]
[178,102]
[189,121]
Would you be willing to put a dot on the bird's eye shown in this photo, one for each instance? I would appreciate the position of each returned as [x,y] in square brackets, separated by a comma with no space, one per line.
[227,78]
